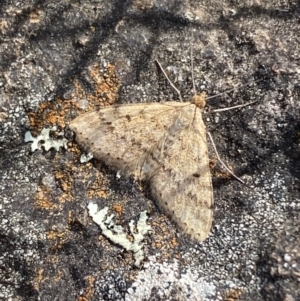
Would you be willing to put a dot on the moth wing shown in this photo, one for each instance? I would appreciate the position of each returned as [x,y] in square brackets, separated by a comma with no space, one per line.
[181,184]
[119,135]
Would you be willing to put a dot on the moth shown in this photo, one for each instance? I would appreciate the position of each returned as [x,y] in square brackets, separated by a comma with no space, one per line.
[162,143]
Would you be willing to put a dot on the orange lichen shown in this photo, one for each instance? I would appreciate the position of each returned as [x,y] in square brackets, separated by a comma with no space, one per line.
[38,279]
[3,26]
[42,199]
[106,86]
[174,242]
[165,239]
[58,238]
[35,16]
[58,112]
[51,113]
[212,163]
[89,290]
[158,245]
[225,175]
[65,182]
[216,172]
[233,294]
[59,275]
[98,188]
[118,208]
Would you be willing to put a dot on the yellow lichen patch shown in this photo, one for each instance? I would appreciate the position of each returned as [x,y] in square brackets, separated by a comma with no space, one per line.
[74,149]
[79,91]
[53,234]
[89,290]
[106,88]
[67,175]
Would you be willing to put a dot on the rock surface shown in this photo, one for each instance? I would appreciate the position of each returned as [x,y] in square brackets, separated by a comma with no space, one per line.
[60,58]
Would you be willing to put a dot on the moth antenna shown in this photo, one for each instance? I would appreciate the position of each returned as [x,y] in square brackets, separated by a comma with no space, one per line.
[230,90]
[172,85]
[222,93]
[192,64]
[224,165]
[234,107]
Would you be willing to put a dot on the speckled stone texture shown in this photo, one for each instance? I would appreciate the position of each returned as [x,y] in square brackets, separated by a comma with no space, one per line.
[60,58]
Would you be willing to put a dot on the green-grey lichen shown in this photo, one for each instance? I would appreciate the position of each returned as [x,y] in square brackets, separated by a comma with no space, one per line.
[45,141]
[117,234]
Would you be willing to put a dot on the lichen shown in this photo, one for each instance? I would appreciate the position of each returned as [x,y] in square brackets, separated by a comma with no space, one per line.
[45,141]
[117,234]
[86,157]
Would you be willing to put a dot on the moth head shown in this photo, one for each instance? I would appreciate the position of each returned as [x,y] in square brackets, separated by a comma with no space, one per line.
[199,100]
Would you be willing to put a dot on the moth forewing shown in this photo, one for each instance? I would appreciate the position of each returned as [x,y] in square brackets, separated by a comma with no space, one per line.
[120,134]
[182,186]
[162,143]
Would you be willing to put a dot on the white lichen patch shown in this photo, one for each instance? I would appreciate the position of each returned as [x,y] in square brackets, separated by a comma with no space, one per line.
[45,141]
[86,157]
[117,234]
[167,278]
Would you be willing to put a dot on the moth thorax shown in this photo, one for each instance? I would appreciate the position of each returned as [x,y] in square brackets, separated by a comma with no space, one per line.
[199,100]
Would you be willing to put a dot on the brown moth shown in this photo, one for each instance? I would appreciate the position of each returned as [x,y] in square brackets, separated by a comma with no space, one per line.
[163,143]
